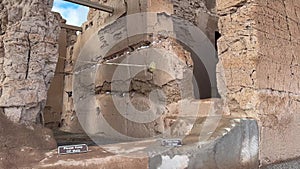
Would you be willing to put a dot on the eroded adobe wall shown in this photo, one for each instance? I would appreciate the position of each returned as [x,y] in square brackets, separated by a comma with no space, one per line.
[143,87]
[28,55]
[54,105]
[199,12]
[202,13]
[96,19]
[278,75]
[259,68]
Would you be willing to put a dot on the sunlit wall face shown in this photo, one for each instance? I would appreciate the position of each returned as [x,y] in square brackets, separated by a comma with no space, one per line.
[73,13]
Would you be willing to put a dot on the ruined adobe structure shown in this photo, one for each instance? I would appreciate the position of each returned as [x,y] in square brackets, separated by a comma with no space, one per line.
[257,73]
[143,85]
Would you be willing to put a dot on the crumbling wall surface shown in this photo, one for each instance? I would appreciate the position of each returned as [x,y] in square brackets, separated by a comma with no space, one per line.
[123,91]
[28,53]
[96,19]
[200,12]
[237,54]
[259,67]
[278,76]
[53,109]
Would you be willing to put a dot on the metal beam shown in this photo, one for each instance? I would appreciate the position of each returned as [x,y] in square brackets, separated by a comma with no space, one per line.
[75,28]
[93,5]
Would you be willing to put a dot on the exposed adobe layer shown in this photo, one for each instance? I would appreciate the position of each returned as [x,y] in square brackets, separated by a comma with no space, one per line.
[160,84]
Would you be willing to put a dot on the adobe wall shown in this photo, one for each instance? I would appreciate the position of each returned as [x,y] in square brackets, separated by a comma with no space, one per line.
[258,72]
[96,19]
[28,55]
[258,69]
[54,105]
[203,16]
[259,51]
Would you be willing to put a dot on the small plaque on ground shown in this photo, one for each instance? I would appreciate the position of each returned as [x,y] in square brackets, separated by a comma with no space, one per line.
[73,149]
[171,142]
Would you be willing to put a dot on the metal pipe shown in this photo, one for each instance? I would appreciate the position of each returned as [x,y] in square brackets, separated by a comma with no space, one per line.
[93,5]
[75,28]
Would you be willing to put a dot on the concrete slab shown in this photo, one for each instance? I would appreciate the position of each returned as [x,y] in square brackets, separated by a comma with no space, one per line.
[291,164]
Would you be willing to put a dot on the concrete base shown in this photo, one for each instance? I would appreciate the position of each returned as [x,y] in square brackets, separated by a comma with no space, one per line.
[233,144]
[291,164]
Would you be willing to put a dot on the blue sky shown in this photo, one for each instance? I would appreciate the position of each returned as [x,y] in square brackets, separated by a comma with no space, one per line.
[73,13]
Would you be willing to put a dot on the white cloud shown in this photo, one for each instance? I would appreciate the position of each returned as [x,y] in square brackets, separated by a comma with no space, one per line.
[74,14]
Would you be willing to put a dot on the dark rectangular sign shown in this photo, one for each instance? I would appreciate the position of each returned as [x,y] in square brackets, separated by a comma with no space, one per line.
[171,142]
[73,149]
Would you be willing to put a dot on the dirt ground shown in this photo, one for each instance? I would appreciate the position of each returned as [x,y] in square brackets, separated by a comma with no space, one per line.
[21,146]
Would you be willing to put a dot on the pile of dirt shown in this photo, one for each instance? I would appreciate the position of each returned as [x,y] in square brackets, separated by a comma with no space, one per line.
[21,146]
